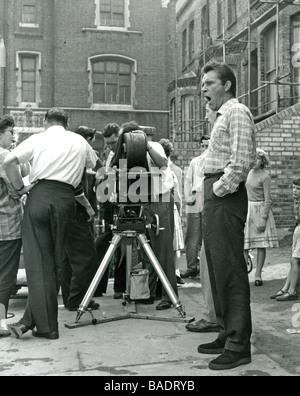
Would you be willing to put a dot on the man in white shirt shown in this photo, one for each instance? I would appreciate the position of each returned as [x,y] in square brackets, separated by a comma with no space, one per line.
[58,158]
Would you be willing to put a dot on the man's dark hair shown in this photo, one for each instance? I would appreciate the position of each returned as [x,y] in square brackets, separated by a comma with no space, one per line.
[167,145]
[130,126]
[296,182]
[5,122]
[57,115]
[86,132]
[225,73]
[204,137]
[111,129]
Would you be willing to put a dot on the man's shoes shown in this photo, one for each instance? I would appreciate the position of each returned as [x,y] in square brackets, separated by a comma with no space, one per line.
[189,274]
[202,326]
[53,335]
[259,283]
[92,305]
[288,297]
[213,348]
[147,301]
[179,280]
[163,305]
[229,360]
[118,295]
[17,329]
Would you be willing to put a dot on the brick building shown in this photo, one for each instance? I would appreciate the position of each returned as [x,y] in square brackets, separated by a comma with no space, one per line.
[262,43]
[101,60]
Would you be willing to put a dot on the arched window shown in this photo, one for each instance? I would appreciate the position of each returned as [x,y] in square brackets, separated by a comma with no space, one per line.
[112,80]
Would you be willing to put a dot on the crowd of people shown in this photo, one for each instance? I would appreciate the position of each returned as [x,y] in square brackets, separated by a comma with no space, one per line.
[227,192]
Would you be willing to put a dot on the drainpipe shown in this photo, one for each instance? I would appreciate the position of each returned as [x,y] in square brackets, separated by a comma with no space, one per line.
[3,60]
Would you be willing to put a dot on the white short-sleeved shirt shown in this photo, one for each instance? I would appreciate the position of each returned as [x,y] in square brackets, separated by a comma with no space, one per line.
[56,154]
[163,183]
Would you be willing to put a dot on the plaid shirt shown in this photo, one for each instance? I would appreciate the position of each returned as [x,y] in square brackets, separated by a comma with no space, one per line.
[11,211]
[232,148]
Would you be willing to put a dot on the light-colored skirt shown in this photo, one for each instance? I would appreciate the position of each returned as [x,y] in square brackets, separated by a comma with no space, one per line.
[178,241]
[255,239]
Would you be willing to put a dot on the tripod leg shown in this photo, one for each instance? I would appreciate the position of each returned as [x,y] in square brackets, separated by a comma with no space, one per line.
[97,278]
[162,276]
[129,242]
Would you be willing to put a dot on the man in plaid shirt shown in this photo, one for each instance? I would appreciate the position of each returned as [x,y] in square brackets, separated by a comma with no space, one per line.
[229,158]
[10,221]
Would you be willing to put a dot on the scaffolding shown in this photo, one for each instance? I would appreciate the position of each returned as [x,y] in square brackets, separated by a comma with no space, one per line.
[245,36]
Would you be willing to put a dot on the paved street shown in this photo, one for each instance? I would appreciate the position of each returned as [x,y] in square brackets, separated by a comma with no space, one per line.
[135,348]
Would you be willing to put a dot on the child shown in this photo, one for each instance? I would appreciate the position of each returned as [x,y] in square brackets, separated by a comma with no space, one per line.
[289,292]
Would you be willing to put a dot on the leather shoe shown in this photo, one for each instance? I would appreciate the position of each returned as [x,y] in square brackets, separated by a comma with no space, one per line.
[259,283]
[229,360]
[53,335]
[118,295]
[213,348]
[189,274]
[148,301]
[17,329]
[163,305]
[179,280]
[202,326]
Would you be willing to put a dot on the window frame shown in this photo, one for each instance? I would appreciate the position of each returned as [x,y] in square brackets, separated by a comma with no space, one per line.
[23,22]
[295,72]
[112,27]
[115,59]
[20,56]
[270,60]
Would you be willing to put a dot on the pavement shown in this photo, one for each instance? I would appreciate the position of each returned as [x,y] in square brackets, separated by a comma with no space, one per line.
[155,348]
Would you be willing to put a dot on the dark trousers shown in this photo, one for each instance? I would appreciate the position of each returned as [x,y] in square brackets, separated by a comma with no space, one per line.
[80,264]
[9,265]
[223,228]
[162,246]
[102,245]
[193,240]
[49,211]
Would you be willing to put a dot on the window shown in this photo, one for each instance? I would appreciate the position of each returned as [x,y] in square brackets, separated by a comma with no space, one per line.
[174,119]
[296,57]
[112,13]
[270,66]
[220,17]
[29,11]
[188,114]
[184,48]
[232,16]
[205,33]
[111,82]
[191,41]
[28,67]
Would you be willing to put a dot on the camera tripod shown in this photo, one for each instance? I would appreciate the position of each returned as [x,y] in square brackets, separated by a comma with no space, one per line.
[136,233]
